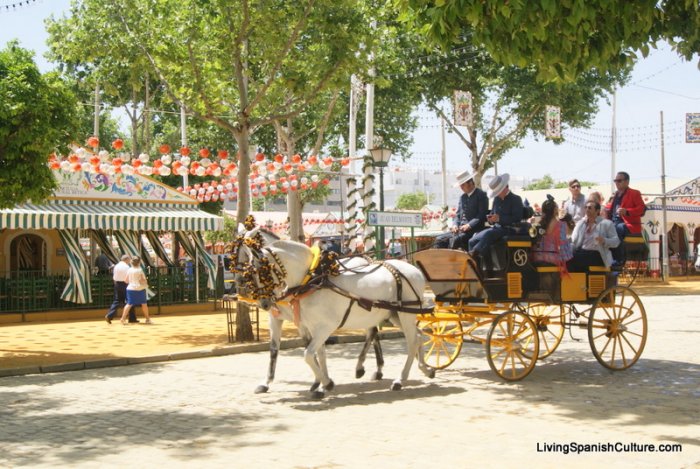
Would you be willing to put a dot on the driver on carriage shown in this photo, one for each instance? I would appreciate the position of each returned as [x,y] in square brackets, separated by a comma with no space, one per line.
[505,216]
[471,214]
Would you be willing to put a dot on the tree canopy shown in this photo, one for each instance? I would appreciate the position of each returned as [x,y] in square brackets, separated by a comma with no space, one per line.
[37,115]
[412,201]
[561,38]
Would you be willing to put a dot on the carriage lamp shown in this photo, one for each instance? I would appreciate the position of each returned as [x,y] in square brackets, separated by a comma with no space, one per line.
[380,159]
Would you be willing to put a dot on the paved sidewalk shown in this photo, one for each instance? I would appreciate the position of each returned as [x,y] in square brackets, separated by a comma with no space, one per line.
[27,348]
[203,413]
[74,345]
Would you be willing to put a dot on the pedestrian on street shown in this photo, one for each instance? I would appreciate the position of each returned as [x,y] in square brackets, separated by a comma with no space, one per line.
[119,276]
[136,290]
[103,264]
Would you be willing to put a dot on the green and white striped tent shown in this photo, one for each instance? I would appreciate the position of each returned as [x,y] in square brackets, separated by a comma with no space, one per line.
[118,203]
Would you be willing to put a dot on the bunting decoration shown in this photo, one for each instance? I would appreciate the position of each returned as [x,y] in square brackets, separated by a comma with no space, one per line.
[269,177]
[552,128]
[464,114]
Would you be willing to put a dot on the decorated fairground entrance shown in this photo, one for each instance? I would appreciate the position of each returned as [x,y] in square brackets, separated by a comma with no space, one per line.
[48,251]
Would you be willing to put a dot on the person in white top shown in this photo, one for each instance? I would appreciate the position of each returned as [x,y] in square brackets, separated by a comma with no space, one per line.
[136,290]
[593,238]
[119,276]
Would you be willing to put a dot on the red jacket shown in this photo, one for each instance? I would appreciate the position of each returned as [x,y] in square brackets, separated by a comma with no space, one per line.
[633,203]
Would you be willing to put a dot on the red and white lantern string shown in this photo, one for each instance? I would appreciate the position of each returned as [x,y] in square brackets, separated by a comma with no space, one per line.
[267,177]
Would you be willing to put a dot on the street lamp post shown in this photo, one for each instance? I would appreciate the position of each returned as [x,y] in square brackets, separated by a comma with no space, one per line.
[380,158]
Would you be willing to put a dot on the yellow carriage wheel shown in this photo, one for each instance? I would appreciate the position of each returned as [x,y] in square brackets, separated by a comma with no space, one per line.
[441,340]
[549,321]
[512,345]
[617,328]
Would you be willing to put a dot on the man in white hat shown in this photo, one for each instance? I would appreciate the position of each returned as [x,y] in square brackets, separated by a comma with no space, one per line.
[471,214]
[505,216]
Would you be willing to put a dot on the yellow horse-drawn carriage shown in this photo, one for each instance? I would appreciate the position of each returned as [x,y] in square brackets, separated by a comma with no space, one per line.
[520,310]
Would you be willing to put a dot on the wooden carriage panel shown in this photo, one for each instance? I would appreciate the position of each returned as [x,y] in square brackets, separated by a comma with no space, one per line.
[446,265]
[451,274]
[573,287]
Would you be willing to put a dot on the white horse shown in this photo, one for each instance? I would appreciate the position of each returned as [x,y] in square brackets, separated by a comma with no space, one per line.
[276,322]
[358,299]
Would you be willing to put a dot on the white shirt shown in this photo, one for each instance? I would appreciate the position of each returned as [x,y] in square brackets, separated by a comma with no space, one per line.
[120,271]
[137,279]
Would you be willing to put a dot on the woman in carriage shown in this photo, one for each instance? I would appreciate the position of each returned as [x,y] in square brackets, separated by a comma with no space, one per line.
[553,246]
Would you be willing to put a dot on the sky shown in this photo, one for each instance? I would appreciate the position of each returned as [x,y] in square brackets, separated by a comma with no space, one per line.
[660,82]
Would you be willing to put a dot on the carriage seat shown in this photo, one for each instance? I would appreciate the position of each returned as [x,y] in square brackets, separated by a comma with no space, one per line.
[497,258]
[636,247]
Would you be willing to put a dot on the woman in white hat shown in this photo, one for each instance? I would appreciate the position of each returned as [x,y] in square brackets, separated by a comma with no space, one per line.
[505,216]
[471,214]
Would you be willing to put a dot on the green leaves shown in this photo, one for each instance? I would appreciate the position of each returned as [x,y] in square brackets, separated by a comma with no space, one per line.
[37,115]
[562,38]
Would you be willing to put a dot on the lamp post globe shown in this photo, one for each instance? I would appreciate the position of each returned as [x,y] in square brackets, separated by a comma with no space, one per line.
[380,159]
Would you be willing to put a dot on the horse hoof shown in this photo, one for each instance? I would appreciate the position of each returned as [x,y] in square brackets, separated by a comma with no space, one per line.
[330,386]
[431,373]
[396,386]
[261,389]
[377,376]
[359,373]
[315,386]
[318,395]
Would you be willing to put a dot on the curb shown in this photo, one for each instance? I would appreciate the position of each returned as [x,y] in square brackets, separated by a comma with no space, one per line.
[218,351]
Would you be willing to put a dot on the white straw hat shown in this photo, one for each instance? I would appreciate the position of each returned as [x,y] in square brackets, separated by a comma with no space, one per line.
[497,184]
[464,177]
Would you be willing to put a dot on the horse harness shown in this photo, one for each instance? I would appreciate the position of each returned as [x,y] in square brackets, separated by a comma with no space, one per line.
[324,266]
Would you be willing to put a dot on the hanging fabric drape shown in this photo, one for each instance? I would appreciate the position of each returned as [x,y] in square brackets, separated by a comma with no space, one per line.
[186,244]
[77,290]
[205,259]
[158,248]
[105,245]
[129,243]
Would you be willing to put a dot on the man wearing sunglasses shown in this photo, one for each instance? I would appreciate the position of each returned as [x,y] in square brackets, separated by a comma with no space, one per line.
[625,210]
[575,206]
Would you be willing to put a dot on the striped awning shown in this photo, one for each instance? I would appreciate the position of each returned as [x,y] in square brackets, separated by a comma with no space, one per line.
[134,217]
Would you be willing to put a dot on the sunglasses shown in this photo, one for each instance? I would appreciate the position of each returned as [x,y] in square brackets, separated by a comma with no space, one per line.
[575,186]
[619,180]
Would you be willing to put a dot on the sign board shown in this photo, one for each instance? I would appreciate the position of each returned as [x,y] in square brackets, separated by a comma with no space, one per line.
[692,127]
[411,220]
[84,185]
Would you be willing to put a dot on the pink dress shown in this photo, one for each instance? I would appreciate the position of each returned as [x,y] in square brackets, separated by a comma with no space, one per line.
[554,247]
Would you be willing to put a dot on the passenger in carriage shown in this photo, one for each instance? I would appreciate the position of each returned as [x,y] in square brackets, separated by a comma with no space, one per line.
[592,239]
[505,216]
[625,210]
[575,205]
[471,214]
[553,246]
[596,196]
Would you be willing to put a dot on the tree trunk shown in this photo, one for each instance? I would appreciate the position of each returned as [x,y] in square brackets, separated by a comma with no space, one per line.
[244,328]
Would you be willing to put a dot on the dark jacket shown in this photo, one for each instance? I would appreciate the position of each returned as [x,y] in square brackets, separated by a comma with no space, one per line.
[509,210]
[472,210]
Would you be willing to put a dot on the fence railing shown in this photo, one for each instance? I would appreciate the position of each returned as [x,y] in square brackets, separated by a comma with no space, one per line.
[28,291]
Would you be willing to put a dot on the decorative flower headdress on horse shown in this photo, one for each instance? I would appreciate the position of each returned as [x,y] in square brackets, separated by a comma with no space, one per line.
[263,286]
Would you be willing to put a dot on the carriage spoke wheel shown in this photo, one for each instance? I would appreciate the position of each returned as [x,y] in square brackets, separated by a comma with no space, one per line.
[441,339]
[512,345]
[549,321]
[617,328]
